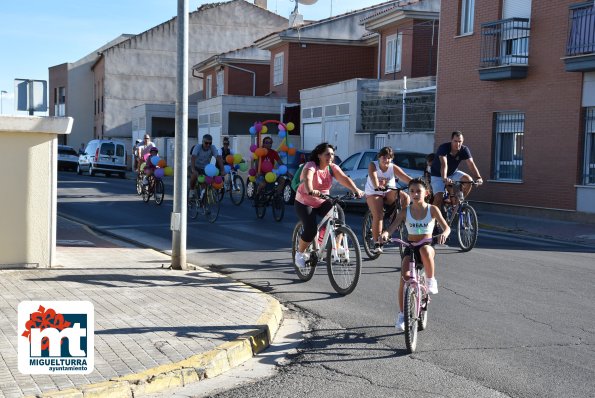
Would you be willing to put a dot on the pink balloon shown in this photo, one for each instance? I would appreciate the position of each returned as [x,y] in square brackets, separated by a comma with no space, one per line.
[258,127]
[253,147]
[252,172]
[266,166]
[281,127]
[146,156]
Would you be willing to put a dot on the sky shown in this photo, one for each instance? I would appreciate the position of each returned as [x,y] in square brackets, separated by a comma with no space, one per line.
[37,34]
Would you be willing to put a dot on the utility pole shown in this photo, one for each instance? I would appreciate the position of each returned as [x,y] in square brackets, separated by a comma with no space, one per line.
[178,216]
[2,92]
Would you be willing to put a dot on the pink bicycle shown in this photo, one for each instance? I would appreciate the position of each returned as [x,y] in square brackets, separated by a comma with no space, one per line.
[415,295]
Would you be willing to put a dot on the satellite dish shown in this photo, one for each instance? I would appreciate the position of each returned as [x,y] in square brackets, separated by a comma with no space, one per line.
[307,2]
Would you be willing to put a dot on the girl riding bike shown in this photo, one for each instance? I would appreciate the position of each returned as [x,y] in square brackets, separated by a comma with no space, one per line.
[317,178]
[419,219]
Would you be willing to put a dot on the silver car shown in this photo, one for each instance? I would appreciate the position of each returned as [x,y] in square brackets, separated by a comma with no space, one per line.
[356,167]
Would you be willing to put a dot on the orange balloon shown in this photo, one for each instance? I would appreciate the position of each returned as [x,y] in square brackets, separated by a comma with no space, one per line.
[162,163]
[217,186]
[291,151]
[229,159]
[284,148]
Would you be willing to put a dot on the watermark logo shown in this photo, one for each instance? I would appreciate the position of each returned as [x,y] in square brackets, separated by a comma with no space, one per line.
[56,337]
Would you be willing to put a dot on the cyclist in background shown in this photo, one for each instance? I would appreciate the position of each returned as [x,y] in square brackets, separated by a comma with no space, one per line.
[419,219]
[383,174]
[149,166]
[144,148]
[201,156]
[445,167]
[273,157]
[317,179]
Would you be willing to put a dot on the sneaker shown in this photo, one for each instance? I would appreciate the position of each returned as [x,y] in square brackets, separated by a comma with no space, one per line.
[432,285]
[300,259]
[377,248]
[400,324]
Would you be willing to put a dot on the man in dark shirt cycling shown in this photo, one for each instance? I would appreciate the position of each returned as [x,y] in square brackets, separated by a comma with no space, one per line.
[445,167]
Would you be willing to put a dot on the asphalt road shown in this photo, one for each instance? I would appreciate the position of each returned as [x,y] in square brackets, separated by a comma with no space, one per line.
[514,317]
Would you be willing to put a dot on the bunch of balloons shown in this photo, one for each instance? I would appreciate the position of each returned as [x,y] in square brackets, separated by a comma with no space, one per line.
[156,165]
[259,153]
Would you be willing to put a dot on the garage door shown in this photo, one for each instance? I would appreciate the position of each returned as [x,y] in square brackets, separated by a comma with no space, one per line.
[312,135]
[336,133]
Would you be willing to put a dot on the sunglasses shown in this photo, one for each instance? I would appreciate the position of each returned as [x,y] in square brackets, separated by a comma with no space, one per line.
[328,154]
[207,142]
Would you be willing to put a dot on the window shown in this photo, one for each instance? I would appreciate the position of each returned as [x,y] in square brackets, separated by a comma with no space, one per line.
[208,87]
[367,157]
[349,163]
[393,53]
[278,69]
[508,157]
[467,11]
[589,165]
[220,83]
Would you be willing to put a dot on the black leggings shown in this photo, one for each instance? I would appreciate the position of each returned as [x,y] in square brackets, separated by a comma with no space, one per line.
[307,216]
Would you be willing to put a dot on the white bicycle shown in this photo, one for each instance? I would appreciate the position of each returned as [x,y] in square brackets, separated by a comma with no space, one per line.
[339,243]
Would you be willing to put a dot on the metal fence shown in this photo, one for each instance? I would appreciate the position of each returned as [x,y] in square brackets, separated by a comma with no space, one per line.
[509,130]
[407,105]
[581,30]
[589,163]
[505,42]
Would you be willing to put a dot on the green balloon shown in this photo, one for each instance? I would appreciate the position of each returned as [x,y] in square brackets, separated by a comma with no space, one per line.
[201,178]
[243,166]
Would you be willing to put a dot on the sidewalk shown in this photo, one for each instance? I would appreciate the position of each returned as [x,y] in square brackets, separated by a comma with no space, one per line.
[154,328]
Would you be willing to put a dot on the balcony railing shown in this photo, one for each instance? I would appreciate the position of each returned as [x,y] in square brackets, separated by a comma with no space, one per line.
[581,30]
[505,42]
[580,47]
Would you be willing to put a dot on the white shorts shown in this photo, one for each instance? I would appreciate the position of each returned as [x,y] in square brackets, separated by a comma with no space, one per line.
[438,184]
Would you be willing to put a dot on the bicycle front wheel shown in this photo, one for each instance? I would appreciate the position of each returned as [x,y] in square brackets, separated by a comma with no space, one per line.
[423,311]
[410,311]
[212,204]
[306,273]
[278,205]
[250,189]
[344,262]
[467,228]
[367,237]
[403,235]
[260,205]
[193,205]
[237,192]
[139,185]
[159,191]
[146,193]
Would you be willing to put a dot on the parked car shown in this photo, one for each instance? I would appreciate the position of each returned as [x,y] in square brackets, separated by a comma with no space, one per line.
[356,167]
[68,158]
[103,156]
[300,157]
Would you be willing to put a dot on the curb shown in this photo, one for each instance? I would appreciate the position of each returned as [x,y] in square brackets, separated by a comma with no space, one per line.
[190,370]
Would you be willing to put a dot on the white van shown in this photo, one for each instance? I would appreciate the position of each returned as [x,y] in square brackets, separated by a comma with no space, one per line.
[103,156]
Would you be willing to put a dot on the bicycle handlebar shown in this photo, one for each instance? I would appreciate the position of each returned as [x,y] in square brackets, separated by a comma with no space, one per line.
[337,198]
[412,244]
[386,189]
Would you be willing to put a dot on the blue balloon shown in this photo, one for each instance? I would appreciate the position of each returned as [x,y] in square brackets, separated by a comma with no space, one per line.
[211,170]
[282,133]
[290,146]
[252,130]
[154,160]
[237,166]
[227,168]
[282,169]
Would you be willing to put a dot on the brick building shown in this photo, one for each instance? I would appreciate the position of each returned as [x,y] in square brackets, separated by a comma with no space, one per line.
[517,77]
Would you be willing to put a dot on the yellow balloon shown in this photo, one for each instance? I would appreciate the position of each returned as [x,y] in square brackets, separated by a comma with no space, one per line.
[270,177]
[143,165]
[252,178]
[264,130]
[237,158]
[254,156]
[290,126]
[168,171]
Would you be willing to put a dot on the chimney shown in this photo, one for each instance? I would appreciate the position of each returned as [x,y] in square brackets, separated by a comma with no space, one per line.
[261,3]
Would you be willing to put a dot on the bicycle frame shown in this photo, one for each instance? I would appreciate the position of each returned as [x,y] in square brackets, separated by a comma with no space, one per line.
[330,220]
[455,209]
[413,280]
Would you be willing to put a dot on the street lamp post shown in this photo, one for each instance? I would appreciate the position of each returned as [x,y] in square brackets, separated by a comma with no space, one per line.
[2,92]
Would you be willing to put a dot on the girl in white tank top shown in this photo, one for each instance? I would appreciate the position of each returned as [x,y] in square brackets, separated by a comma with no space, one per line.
[385,179]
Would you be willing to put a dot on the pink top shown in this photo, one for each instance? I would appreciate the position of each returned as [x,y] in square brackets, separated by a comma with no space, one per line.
[321,181]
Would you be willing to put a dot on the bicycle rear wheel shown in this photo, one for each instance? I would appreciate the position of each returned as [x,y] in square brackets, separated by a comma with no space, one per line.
[278,205]
[237,192]
[306,273]
[410,312]
[211,203]
[367,237]
[193,205]
[159,191]
[467,228]
[344,266]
